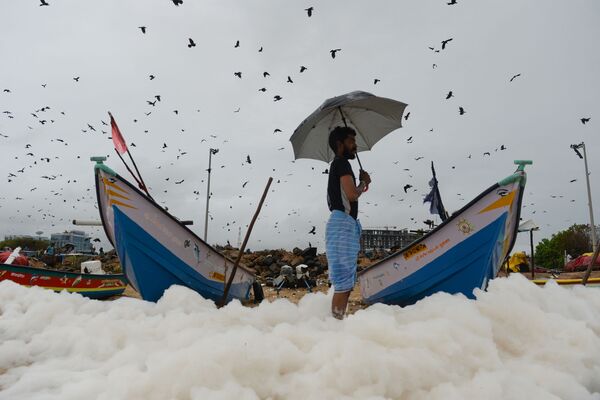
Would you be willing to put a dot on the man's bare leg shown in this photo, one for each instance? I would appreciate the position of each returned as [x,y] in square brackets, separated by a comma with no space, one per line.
[339,303]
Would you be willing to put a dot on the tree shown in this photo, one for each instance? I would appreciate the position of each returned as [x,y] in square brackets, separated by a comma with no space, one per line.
[575,240]
[548,254]
[25,244]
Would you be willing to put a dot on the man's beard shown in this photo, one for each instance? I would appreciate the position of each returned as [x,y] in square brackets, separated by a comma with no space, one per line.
[348,155]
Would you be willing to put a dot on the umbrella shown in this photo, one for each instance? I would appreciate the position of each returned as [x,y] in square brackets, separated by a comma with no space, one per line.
[372,118]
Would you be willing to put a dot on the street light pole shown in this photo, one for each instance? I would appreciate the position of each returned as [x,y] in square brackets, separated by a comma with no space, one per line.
[589,192]
[210,153]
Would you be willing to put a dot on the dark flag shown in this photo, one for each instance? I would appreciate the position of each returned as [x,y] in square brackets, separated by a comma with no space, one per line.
[434,198]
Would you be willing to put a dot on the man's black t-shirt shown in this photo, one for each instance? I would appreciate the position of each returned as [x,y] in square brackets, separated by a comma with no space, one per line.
[336,198]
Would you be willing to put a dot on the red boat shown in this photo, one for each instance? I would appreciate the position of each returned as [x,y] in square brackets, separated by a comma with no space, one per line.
[89,285]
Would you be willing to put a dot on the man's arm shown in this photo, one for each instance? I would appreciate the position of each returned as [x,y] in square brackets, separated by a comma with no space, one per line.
[352,192]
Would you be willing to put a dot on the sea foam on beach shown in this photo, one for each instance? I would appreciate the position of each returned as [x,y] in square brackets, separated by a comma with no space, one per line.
[516,341]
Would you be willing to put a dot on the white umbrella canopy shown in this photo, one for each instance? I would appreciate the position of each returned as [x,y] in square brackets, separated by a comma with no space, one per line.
[372,118]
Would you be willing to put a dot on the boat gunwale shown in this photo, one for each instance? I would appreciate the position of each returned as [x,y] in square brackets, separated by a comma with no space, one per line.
[452,218]
[96,176]
[82,274]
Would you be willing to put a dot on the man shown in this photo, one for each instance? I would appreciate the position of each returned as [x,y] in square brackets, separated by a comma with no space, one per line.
[342,236]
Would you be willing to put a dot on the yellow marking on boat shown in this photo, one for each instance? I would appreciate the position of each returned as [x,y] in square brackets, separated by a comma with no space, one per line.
[573,281]
[217,276]
[115,194]
[416,249]
[501,202]
[111,184]
[118,203]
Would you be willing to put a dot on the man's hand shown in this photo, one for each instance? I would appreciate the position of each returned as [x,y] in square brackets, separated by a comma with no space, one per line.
[363,176]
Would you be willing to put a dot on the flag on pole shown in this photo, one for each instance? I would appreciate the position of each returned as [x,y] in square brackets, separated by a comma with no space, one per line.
[117,138]
[434,197]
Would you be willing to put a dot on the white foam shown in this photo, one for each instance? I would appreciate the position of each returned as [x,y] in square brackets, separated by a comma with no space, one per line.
[516,341]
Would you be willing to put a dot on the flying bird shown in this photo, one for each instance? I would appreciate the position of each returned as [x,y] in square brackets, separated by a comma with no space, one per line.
[514,76]
[76,79]
[277,98]
[406,187]
[375,81]
[461,110]
[179,182]
[487,153]
[444,42]
[143,29]
[238,74]
[237,44]
[177,2]
[152,77]
[452,2]
[265,74]
[309,11]
[302,68]
[43,3]
[313,231]
[449,95]
[248,160]
[276,130]
[191,42]
[406,116]
[262,90]
[289,80]
[333,52]
[585,120]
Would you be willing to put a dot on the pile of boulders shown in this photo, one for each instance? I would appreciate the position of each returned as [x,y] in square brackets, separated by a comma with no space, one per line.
[268,263]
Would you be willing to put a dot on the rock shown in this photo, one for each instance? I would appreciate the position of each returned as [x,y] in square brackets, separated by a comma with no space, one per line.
[297,261]
[268,260]
[309,252]
[274,268]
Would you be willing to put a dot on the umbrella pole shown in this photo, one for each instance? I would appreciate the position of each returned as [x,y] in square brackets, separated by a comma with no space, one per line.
[346,125]
[358,159]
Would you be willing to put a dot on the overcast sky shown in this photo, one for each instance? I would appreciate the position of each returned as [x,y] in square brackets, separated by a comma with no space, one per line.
[553,45]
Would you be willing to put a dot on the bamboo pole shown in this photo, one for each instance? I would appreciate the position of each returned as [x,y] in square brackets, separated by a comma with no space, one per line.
[241,251]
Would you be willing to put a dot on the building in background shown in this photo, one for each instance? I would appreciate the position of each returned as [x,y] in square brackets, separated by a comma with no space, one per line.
[79,239]
[386,238]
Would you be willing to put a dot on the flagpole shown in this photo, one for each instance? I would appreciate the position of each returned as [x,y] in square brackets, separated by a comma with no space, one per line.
[129,169]
[144,187]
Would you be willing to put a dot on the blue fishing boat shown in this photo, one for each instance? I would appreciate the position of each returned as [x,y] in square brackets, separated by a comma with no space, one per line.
[463,253]
[156,250]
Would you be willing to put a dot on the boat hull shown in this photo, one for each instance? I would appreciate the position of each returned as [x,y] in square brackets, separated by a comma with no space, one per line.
[462,254]
[156,251]
[88,285]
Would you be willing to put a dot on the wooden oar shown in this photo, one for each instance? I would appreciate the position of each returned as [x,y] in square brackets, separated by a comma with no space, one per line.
[241,250]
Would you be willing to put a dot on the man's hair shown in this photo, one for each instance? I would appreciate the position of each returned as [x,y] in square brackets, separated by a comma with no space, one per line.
[339,134]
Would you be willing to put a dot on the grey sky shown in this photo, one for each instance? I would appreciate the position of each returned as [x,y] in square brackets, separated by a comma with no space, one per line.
[553,45]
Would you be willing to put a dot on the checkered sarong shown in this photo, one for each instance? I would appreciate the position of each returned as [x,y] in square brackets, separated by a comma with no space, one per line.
[342,243]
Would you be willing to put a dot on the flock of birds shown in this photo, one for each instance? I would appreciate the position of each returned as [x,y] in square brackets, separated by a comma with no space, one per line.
[36,159]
